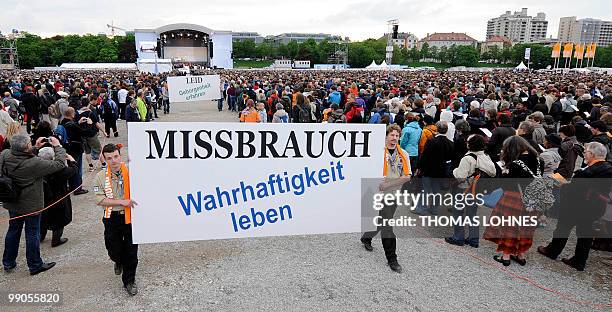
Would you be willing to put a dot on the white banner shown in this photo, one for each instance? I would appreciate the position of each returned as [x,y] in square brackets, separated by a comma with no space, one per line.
[527,53]
[194,88]
[200,181]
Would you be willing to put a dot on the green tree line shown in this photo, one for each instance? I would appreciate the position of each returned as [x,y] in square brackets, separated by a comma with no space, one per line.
[36,51]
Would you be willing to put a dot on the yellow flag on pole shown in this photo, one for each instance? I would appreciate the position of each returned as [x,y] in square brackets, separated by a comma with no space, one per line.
[588,51]
[556,51]
[567,50]
[579,52]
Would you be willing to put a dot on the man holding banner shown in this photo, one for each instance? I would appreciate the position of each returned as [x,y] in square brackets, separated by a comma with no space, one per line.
[112,189]
[396,171]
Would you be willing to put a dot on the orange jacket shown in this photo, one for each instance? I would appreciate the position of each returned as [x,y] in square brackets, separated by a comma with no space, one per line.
[428,133]
[250,116]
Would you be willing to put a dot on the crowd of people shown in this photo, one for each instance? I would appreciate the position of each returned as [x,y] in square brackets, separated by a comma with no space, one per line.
[500,124]
[440,125]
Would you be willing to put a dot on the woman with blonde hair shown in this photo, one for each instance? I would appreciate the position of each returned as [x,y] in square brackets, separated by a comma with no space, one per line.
[12,129]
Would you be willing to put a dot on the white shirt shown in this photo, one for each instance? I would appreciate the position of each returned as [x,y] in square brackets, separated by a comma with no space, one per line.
[122,95]
[5,119]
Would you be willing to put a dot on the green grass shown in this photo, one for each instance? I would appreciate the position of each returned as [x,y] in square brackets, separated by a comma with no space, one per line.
[251,64]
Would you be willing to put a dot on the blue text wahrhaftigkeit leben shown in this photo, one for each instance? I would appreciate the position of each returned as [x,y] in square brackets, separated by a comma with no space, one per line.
[275,184]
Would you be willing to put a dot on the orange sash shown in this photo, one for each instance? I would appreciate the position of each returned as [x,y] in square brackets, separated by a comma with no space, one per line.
[405,163]
[108,191]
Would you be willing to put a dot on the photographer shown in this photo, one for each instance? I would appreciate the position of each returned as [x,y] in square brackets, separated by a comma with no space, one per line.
[74,147]
[27,172]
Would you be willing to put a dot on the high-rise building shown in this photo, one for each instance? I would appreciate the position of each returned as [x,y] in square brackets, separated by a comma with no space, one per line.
[518,26]
[585,30]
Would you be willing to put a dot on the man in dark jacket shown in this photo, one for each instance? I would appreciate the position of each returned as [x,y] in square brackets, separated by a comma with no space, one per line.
[27,172]
[75,147]
[571,152]
[498,136]
[583,202]
[435,164]
[31,103]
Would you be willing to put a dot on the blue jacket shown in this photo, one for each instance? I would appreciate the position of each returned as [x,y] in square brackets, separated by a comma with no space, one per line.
[377,116]
[335,97]
[411,135]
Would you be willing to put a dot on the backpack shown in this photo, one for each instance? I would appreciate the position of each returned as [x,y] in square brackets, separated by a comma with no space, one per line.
[303,115]
[538,194]
[62,134]
[284,119]
[107,108]
[9,190]
[479,184]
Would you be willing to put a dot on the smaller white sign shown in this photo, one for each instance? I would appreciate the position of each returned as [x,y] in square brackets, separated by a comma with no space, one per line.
[527,53]
[194,88]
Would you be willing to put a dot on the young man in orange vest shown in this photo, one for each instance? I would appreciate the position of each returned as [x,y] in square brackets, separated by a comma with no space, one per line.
[396,171]
[112,190]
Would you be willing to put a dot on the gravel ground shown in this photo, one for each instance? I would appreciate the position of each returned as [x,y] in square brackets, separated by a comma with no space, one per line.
[301,273]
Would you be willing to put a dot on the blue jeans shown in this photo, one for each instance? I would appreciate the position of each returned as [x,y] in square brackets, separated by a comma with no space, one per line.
[220,104]
[13,236]
[232,103]
[77,179]
[430,186]
[459,231]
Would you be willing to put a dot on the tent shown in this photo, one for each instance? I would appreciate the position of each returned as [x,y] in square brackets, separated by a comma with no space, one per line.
[383,65]
[521,66]
[372,66]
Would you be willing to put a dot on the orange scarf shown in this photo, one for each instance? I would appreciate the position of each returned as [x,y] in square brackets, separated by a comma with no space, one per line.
[403,158]
[108,191]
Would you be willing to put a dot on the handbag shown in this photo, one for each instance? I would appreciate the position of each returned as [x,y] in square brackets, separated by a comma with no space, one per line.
[490,200]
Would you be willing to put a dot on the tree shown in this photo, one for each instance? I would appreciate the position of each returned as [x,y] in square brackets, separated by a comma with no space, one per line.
[603,57]
[361,54]
[126,49]
[494,53]
[506,55]
[434,53]
[425,51]
[539,56]
[107,54]
[465,56]
[87,52]
[31,52]
[292,49]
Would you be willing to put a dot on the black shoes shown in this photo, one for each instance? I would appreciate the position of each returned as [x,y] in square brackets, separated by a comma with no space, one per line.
[59,242]
[453,241]
[81,191]
[499,259]
[131,289]
[118,268]
[10,269]
[571,263]
[544,252]
[395,267]
[367,244]
[516,259]
[44,267]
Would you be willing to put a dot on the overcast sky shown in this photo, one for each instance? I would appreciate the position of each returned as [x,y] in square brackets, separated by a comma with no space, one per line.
[358,19]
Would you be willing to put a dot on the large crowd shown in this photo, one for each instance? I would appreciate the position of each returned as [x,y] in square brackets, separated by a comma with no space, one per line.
[458,125]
